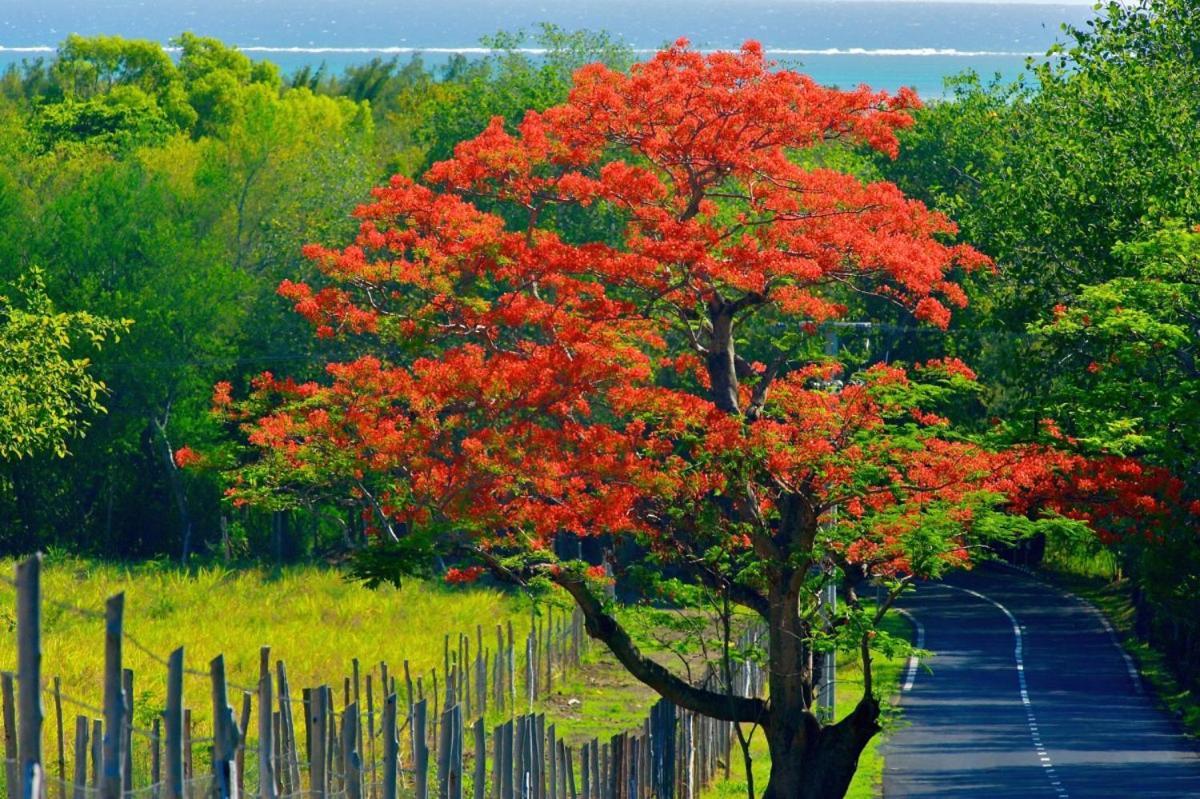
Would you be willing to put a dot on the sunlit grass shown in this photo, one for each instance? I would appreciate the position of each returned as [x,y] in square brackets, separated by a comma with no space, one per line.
[313,619]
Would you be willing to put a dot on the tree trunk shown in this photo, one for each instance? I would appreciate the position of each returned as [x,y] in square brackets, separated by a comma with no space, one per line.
[813,762]
[808,761]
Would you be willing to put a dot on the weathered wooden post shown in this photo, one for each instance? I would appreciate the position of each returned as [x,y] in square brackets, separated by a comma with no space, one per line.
[112,778]
[97,754]
[391,747]
[225,735]
[291,766]
[374,793]
[351,761]
[173,727]
[317,719]
[421,750]
[266,740]
[454,758]
[11,781]
[480,777]
[29,675]
[551,752]
[62,753]
[127,732]
[81,757]
[156,758]
[240,753]
[188,770]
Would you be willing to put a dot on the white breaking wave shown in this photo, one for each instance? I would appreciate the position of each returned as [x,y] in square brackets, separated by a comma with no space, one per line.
[915,52]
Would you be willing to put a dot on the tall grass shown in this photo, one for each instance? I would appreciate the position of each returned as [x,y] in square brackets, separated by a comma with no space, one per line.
[312,618]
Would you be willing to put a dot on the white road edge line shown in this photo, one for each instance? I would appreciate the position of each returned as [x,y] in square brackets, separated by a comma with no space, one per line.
[1019,656]
[913,661]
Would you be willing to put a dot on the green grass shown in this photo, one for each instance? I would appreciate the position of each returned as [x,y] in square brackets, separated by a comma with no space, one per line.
[317,622]
[1096,582]
[868,780]
[313,619]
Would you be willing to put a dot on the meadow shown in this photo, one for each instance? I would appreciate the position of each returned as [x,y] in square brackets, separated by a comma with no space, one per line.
[317,622]
[312,618]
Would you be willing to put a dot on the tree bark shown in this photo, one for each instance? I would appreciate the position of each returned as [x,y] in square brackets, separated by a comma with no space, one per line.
[813,762]
[808,761]
[721,360]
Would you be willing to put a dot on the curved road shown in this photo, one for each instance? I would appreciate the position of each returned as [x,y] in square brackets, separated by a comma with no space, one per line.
[1029,696]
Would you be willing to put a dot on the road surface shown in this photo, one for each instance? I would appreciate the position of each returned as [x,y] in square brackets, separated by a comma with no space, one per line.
[1053,710]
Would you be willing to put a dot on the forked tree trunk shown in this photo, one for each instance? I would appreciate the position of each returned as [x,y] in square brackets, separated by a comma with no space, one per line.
[808,761]
[811,762]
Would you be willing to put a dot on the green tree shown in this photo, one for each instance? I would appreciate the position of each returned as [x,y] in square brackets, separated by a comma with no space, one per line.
[48,387]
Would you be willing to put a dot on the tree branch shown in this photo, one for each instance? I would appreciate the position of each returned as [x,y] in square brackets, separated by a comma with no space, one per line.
[601,625]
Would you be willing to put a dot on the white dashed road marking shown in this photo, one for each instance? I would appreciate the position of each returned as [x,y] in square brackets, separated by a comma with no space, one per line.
[1019,656]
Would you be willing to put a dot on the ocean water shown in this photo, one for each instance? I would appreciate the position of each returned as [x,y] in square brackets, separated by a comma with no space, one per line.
[884,44]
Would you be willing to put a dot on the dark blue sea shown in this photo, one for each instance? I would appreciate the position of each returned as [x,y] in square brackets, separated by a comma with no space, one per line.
[882,43]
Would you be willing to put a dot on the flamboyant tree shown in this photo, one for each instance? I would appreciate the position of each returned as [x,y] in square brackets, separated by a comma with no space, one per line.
[603,323]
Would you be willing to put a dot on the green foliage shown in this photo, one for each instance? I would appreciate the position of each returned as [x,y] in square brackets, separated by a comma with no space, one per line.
[47,387]
[1126,351]
[120,120]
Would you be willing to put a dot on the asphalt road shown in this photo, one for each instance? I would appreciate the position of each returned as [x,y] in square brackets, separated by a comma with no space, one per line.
[1052,711]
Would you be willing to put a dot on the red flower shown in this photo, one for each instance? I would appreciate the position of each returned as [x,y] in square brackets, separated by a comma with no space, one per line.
[461,576]
[186,456]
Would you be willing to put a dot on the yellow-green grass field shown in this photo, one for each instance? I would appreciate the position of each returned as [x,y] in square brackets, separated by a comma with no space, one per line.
[317,622]
[312,618]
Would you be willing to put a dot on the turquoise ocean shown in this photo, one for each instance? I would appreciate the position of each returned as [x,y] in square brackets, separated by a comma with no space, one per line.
[884,44]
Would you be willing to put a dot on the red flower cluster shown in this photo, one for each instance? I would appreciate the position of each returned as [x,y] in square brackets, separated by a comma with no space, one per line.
[467,575]
[186,456]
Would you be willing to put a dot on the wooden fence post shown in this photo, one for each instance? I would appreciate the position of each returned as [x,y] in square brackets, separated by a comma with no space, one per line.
[391,747]
[81,757]
[420,750]
[29,675]
[374,793]
[97,754]
[225,735]
[266,740]
[62,753]
[287,725]
[480,777]
[11,781]
[351,761]
[454,758]
[240,753]
[127,732]
[156,757]
[112,771]
[173,727]
[316,766]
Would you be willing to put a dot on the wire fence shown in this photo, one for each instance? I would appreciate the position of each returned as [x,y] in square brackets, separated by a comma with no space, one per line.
[399,737]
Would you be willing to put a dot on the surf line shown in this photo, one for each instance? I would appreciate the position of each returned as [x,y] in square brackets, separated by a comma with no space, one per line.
[1019,656]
